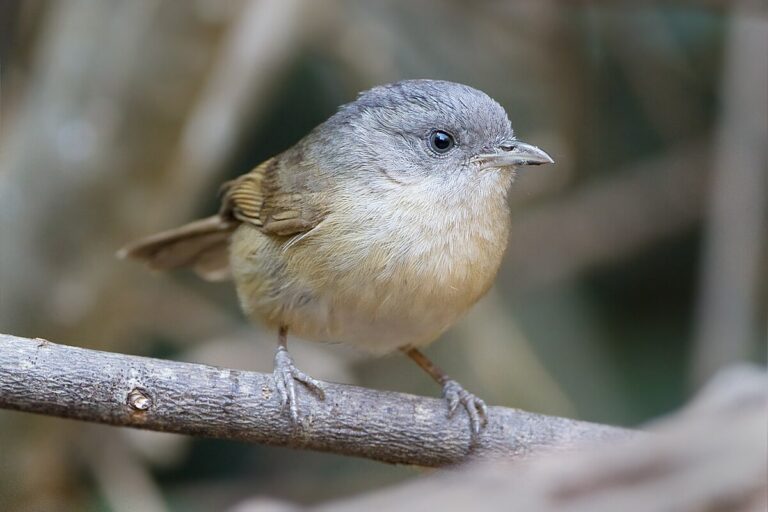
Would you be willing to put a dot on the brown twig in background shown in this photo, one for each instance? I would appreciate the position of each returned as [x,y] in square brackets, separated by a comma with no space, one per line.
[43,377]
[729,306]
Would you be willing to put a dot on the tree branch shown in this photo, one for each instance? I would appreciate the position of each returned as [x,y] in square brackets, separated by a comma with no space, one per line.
[43,377]
[708,456]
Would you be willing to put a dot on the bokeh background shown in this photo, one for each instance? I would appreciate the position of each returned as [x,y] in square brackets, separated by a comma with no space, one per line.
[637,264]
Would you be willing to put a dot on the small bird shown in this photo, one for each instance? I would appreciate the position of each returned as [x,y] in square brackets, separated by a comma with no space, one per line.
[380,228]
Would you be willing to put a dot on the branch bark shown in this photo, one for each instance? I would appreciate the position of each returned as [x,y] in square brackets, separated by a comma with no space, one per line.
[709,456]
[43,377]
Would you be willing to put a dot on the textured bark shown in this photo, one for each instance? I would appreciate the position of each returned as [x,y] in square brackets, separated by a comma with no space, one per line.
[43,377]
[709,457]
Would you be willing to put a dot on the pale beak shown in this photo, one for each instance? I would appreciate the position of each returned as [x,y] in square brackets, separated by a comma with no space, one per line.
[513,153]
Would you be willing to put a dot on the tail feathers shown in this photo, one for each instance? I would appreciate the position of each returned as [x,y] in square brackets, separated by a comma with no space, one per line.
[201,245]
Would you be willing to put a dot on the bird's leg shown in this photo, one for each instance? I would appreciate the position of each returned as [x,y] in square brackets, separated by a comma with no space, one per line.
[453,392]
[285,373]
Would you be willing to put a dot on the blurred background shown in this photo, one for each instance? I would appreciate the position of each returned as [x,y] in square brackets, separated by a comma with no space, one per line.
[637,264]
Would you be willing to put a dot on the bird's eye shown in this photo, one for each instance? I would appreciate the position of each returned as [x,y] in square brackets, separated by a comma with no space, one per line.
[441,142]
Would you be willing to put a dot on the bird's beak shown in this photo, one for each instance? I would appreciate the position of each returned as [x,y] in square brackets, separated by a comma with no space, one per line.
[513,153]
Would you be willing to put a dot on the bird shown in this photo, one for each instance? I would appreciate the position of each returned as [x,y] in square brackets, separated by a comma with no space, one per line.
[379,229]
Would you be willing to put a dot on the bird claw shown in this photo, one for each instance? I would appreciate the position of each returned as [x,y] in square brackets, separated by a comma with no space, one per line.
[285,375]
[455,394]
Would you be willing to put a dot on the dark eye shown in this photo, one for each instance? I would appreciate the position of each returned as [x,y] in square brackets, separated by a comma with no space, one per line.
[441,142]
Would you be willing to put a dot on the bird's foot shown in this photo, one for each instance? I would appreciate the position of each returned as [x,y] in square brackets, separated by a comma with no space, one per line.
[455,394]
[285,375]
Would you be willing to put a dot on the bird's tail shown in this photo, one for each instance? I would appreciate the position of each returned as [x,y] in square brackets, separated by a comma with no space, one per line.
[201,245]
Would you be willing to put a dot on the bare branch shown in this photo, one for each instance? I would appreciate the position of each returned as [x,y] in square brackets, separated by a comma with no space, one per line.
[708,456]
[42,377]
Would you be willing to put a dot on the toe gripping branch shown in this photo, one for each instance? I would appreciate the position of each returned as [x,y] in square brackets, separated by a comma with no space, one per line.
[453,392]
[286,374]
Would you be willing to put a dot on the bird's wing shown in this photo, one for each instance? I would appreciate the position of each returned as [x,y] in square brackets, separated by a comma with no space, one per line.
[201,245]
[273,198]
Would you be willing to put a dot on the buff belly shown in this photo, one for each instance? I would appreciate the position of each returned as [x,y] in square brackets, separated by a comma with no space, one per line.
[352,297]
[400,281]
[376,316]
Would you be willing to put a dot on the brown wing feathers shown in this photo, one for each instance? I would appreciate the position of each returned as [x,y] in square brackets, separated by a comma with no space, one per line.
[201,244]
[267,197]
[244,197]
[254,198]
